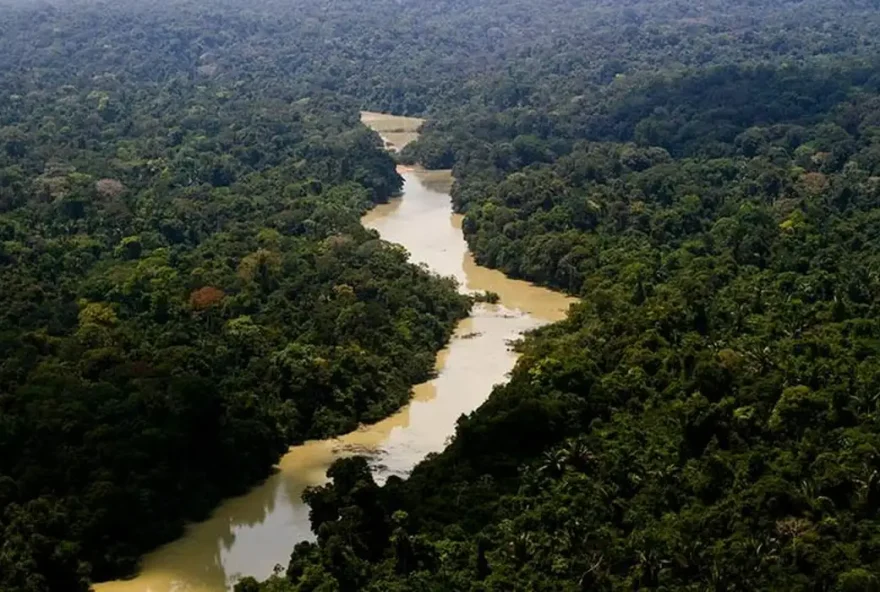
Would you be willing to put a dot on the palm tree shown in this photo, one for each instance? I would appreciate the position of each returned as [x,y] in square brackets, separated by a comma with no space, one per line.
[553,462]
[577,454]
[818,503]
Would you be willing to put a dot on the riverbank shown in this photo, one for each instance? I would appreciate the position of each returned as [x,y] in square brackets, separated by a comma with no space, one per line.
[250,534]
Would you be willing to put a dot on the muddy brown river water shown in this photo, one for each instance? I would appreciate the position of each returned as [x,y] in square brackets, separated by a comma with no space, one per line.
[250,534]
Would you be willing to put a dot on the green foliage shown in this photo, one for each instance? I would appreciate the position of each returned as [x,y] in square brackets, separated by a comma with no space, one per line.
[706,419]
[187,291]
[186,288]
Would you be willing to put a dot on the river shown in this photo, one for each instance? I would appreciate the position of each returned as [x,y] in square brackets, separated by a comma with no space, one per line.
[250,534]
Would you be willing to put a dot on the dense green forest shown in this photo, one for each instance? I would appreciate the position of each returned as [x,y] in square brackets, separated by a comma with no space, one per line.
[708,418]
[186,288]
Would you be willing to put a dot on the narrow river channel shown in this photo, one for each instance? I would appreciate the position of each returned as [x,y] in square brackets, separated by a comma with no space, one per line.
[249,535]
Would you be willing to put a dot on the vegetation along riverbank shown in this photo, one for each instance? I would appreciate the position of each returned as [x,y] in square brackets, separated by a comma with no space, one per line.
[187,289]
